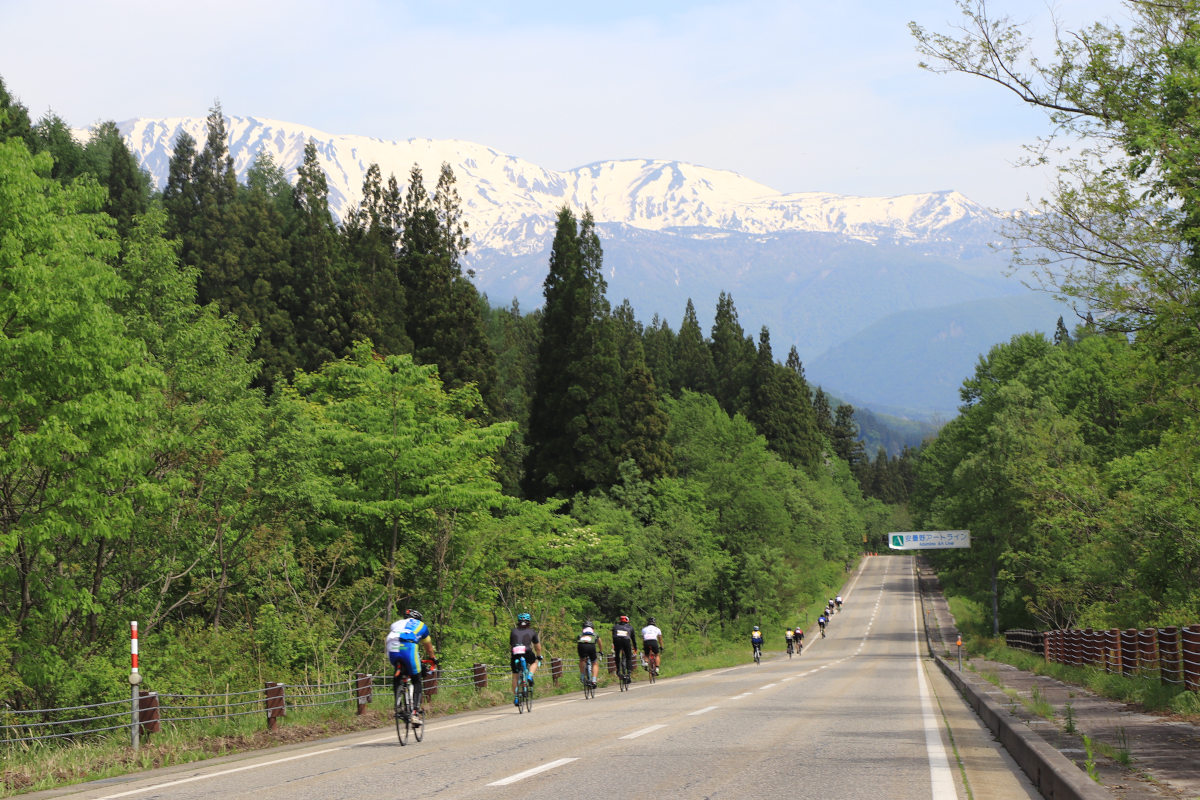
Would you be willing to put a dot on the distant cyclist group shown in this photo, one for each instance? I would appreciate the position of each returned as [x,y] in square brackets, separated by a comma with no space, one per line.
[409,636]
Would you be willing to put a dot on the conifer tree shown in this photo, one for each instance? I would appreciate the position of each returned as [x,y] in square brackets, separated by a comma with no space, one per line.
[659,343]
[733,356]
[823,413]
[574,412]
[780,410]
[845,439]
[693,357]
[14,119]
[444,317]
[644,425]
[273,303]
[179,195]
[323,329]
[372,239]
[214,245]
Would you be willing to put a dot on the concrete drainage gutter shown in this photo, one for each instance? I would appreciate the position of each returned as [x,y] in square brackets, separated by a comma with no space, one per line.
[1054,775]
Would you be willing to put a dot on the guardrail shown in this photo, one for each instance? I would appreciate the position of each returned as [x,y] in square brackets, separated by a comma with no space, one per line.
[1170,654]
[274,700]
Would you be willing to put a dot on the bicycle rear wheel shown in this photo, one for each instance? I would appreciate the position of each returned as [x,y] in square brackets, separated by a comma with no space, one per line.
[401,713]
[528,699]
[757,656]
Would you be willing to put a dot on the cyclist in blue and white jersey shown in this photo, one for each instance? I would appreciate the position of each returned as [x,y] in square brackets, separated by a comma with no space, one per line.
[404,639]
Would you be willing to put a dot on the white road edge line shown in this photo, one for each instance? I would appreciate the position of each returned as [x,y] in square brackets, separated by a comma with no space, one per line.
[704,710]
[940,778]
[222,772]
[520,776]
[642,732]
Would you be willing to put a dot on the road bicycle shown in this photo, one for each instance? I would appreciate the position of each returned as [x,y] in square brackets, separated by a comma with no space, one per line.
[757,654]
[790,648]
[585,677]
[523,699]
[652,668]
[402,695]
[623,668]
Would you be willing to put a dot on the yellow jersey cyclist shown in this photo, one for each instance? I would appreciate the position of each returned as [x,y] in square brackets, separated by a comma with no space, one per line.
[756,641]
[404,639]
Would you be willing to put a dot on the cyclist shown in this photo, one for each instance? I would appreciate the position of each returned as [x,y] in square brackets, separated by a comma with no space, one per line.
[798,636]
[838,600]
[756,640]
[652,645]
[821,620]
[522,642]
[829,609]
[403,639]
[622,640]
[587,645]
[788,639]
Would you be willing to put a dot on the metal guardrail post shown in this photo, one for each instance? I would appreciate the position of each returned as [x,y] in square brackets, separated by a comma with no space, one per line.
[362,692]
[1191,657]
[148,717]
[276,704]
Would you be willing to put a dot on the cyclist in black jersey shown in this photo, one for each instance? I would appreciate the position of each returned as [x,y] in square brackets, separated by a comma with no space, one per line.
[622,639]
[587,645]
[524,643]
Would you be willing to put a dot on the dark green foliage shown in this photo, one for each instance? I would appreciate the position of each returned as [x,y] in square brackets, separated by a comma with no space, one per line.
[780,408]
[444,317]
[693,357]
[14,119]
[733,355]
[660,344]
[52,134]
[573,444]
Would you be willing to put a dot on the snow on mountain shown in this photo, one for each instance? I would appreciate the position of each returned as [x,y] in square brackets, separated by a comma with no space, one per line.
[511,204]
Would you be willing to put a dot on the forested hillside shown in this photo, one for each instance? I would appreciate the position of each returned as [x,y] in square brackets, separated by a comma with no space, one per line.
[1075,461]
[261,434]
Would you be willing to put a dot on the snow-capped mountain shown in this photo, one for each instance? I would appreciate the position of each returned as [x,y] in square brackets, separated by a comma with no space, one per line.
[511,203]
[820,270]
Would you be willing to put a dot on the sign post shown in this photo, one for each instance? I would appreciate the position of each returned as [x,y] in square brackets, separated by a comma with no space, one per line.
[929,540]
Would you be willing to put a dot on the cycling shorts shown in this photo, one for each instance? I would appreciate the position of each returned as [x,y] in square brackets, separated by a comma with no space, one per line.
[586,649]
[529,658]
[650,646]
[405,659]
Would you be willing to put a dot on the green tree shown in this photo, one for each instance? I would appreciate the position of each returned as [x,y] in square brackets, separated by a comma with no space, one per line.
[75,391]
[693,357]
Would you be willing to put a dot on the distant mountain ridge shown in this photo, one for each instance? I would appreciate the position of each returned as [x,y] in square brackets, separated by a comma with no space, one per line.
[819,269]
[511,202]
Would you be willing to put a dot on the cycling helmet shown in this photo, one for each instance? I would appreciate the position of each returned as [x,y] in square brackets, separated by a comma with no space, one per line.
[523,619]
[412,612]
[623,618]
[650,621]
[587,623]
[755,627]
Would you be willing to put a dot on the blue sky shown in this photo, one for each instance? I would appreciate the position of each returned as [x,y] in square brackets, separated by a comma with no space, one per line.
[808,95]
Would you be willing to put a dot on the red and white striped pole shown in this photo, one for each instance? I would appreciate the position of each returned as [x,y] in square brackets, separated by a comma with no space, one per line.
[135,678]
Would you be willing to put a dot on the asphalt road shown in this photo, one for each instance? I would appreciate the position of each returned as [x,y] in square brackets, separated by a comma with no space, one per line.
[858,715]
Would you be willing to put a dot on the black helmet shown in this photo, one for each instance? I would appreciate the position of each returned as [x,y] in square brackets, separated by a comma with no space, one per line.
[650,621]
[412,612]
[587,623]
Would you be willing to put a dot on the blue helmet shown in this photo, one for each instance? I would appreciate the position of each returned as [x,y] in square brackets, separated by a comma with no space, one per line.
[523,619]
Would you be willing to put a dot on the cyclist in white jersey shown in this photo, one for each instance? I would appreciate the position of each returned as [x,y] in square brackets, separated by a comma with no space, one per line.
[652,645]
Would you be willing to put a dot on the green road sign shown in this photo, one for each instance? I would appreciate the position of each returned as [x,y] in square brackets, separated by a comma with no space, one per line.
[929,540]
